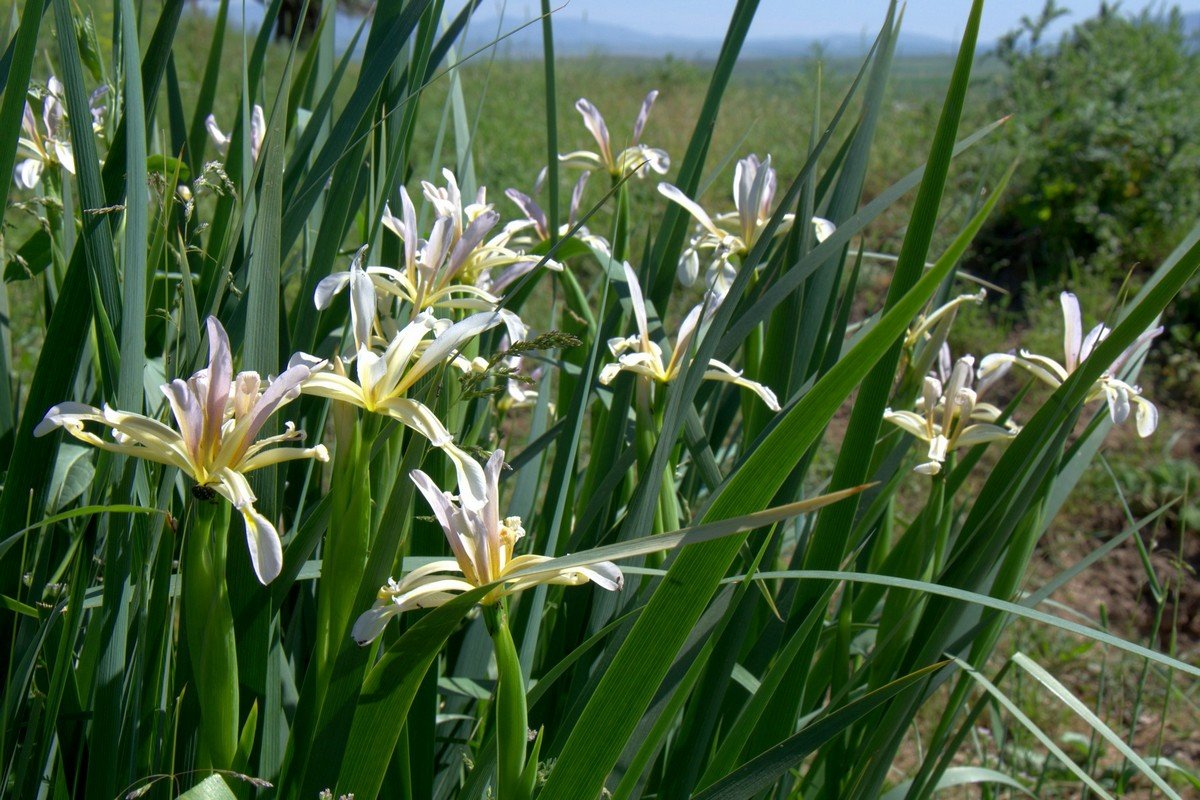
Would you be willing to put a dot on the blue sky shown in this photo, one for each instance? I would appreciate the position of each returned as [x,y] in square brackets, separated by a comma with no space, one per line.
[783,18]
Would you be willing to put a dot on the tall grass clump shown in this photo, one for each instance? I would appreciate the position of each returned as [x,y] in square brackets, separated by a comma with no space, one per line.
[335,475]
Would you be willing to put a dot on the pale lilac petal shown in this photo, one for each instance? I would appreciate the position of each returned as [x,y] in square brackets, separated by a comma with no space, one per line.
[189,416]
[531,210]
[283,389]
[28,173]
[644,114]
[637,301]
[577,197]
[409,215]
[1072,330]
[1095,336]
[220,378]
[328,287]
[471,238]
[446,515]
[1133,349]
[595,125]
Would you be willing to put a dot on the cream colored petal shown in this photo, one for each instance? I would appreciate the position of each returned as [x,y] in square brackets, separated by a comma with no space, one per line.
[262,540]
[910,422]
[441,349]
[1146,416]
[823,228]
[689,205]
[278,455]
[718,371]
[334,387]
[370,623]
[981,434]
[1044,369]
[637,303]
[582,159]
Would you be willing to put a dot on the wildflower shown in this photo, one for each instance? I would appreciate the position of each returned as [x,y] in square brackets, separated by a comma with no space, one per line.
[640,355]
[258,132]
[637,159]
[382,380]
[920,330]
[49,149]
[483,545]
[457,266]
[218,417]
[952,417]
[1077,347]
[732,234]
[535,227]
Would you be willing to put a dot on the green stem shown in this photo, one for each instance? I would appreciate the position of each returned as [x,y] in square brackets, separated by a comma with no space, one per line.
[646,437]
[512,722]
[208,625]
[667,497]
[345,552]
[620,243]
[941,518]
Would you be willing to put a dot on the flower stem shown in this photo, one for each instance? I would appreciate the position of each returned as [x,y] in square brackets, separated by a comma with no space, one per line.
[208,625]
[620,242]
[512,723]
[345,550]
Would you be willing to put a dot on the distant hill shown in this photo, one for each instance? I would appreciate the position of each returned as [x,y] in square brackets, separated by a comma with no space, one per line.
[1191,23]
[576,37]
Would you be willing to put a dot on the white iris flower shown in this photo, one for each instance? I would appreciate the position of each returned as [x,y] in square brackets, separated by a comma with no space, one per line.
[951,416]
[1121,396]
[381,381]
[731,235]
[48,146]
[218,417]
[637,159]
[642,356]
[483,546]
[258,132]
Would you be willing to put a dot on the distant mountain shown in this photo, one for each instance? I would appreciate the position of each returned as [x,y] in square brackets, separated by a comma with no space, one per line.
[576,37]
[1191,23]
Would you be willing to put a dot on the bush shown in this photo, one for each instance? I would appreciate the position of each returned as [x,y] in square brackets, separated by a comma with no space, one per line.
[1105,122]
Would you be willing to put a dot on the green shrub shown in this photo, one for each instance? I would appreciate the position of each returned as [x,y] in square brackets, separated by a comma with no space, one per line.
[1105,122]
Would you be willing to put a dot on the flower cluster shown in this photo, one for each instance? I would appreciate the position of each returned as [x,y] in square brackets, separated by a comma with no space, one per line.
[949,413]
[411,320]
